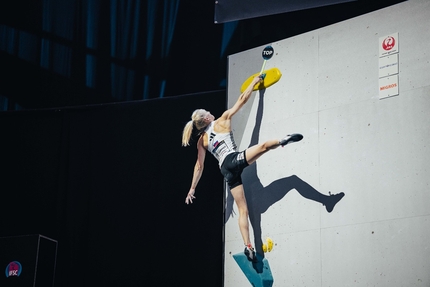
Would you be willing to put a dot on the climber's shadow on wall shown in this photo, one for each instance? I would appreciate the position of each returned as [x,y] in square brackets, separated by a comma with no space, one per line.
[260,198]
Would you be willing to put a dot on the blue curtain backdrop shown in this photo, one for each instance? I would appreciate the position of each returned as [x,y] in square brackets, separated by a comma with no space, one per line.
[81,52]
[116,50]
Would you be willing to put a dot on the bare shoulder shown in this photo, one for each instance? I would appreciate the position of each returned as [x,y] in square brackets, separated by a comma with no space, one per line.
[222,125]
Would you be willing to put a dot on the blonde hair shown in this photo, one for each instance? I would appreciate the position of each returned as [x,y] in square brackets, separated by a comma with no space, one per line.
[197,119]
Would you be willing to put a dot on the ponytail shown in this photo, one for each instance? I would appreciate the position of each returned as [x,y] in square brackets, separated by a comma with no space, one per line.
[197,119]
[186,134]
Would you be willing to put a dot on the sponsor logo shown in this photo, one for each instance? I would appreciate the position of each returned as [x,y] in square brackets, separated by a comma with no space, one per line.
[388,43]
[390,86]
[240,156]
[13,269]
[387,66]
[212,135]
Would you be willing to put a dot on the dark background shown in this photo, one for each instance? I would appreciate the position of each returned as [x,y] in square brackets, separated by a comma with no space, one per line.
[230,10]
[109,183]
[105,174]
[160,48]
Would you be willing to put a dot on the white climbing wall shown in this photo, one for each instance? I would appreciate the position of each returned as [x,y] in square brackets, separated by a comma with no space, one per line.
[376,151]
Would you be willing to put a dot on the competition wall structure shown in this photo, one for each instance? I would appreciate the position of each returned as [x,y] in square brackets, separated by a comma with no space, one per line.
[374,150]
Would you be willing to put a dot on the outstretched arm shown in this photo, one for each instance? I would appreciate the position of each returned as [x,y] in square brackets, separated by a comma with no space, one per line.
[198,171]
[243,98]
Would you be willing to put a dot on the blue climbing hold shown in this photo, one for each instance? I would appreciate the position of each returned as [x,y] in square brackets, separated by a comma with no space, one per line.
[258,273]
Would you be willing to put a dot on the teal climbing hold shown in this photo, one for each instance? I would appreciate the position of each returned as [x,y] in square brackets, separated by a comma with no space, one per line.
[258,273]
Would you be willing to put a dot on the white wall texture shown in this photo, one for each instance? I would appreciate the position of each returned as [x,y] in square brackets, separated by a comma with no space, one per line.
[376,151]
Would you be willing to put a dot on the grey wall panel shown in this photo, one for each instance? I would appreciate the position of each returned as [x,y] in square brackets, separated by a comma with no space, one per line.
[374,150]
[384,253]
[379,153]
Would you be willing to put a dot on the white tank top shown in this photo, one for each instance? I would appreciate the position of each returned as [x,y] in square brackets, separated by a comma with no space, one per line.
[220,144]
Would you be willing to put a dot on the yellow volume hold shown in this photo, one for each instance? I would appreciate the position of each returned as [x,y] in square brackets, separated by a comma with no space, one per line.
[272,76]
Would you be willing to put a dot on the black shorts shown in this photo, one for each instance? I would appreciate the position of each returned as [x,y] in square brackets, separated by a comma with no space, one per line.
[232,168]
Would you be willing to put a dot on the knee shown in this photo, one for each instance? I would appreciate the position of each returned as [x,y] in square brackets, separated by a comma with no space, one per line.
[243,211]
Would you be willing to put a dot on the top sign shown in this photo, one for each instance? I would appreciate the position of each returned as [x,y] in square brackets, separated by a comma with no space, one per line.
[389,45]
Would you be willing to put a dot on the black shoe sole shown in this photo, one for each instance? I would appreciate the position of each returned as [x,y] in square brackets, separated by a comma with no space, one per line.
[293,138]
